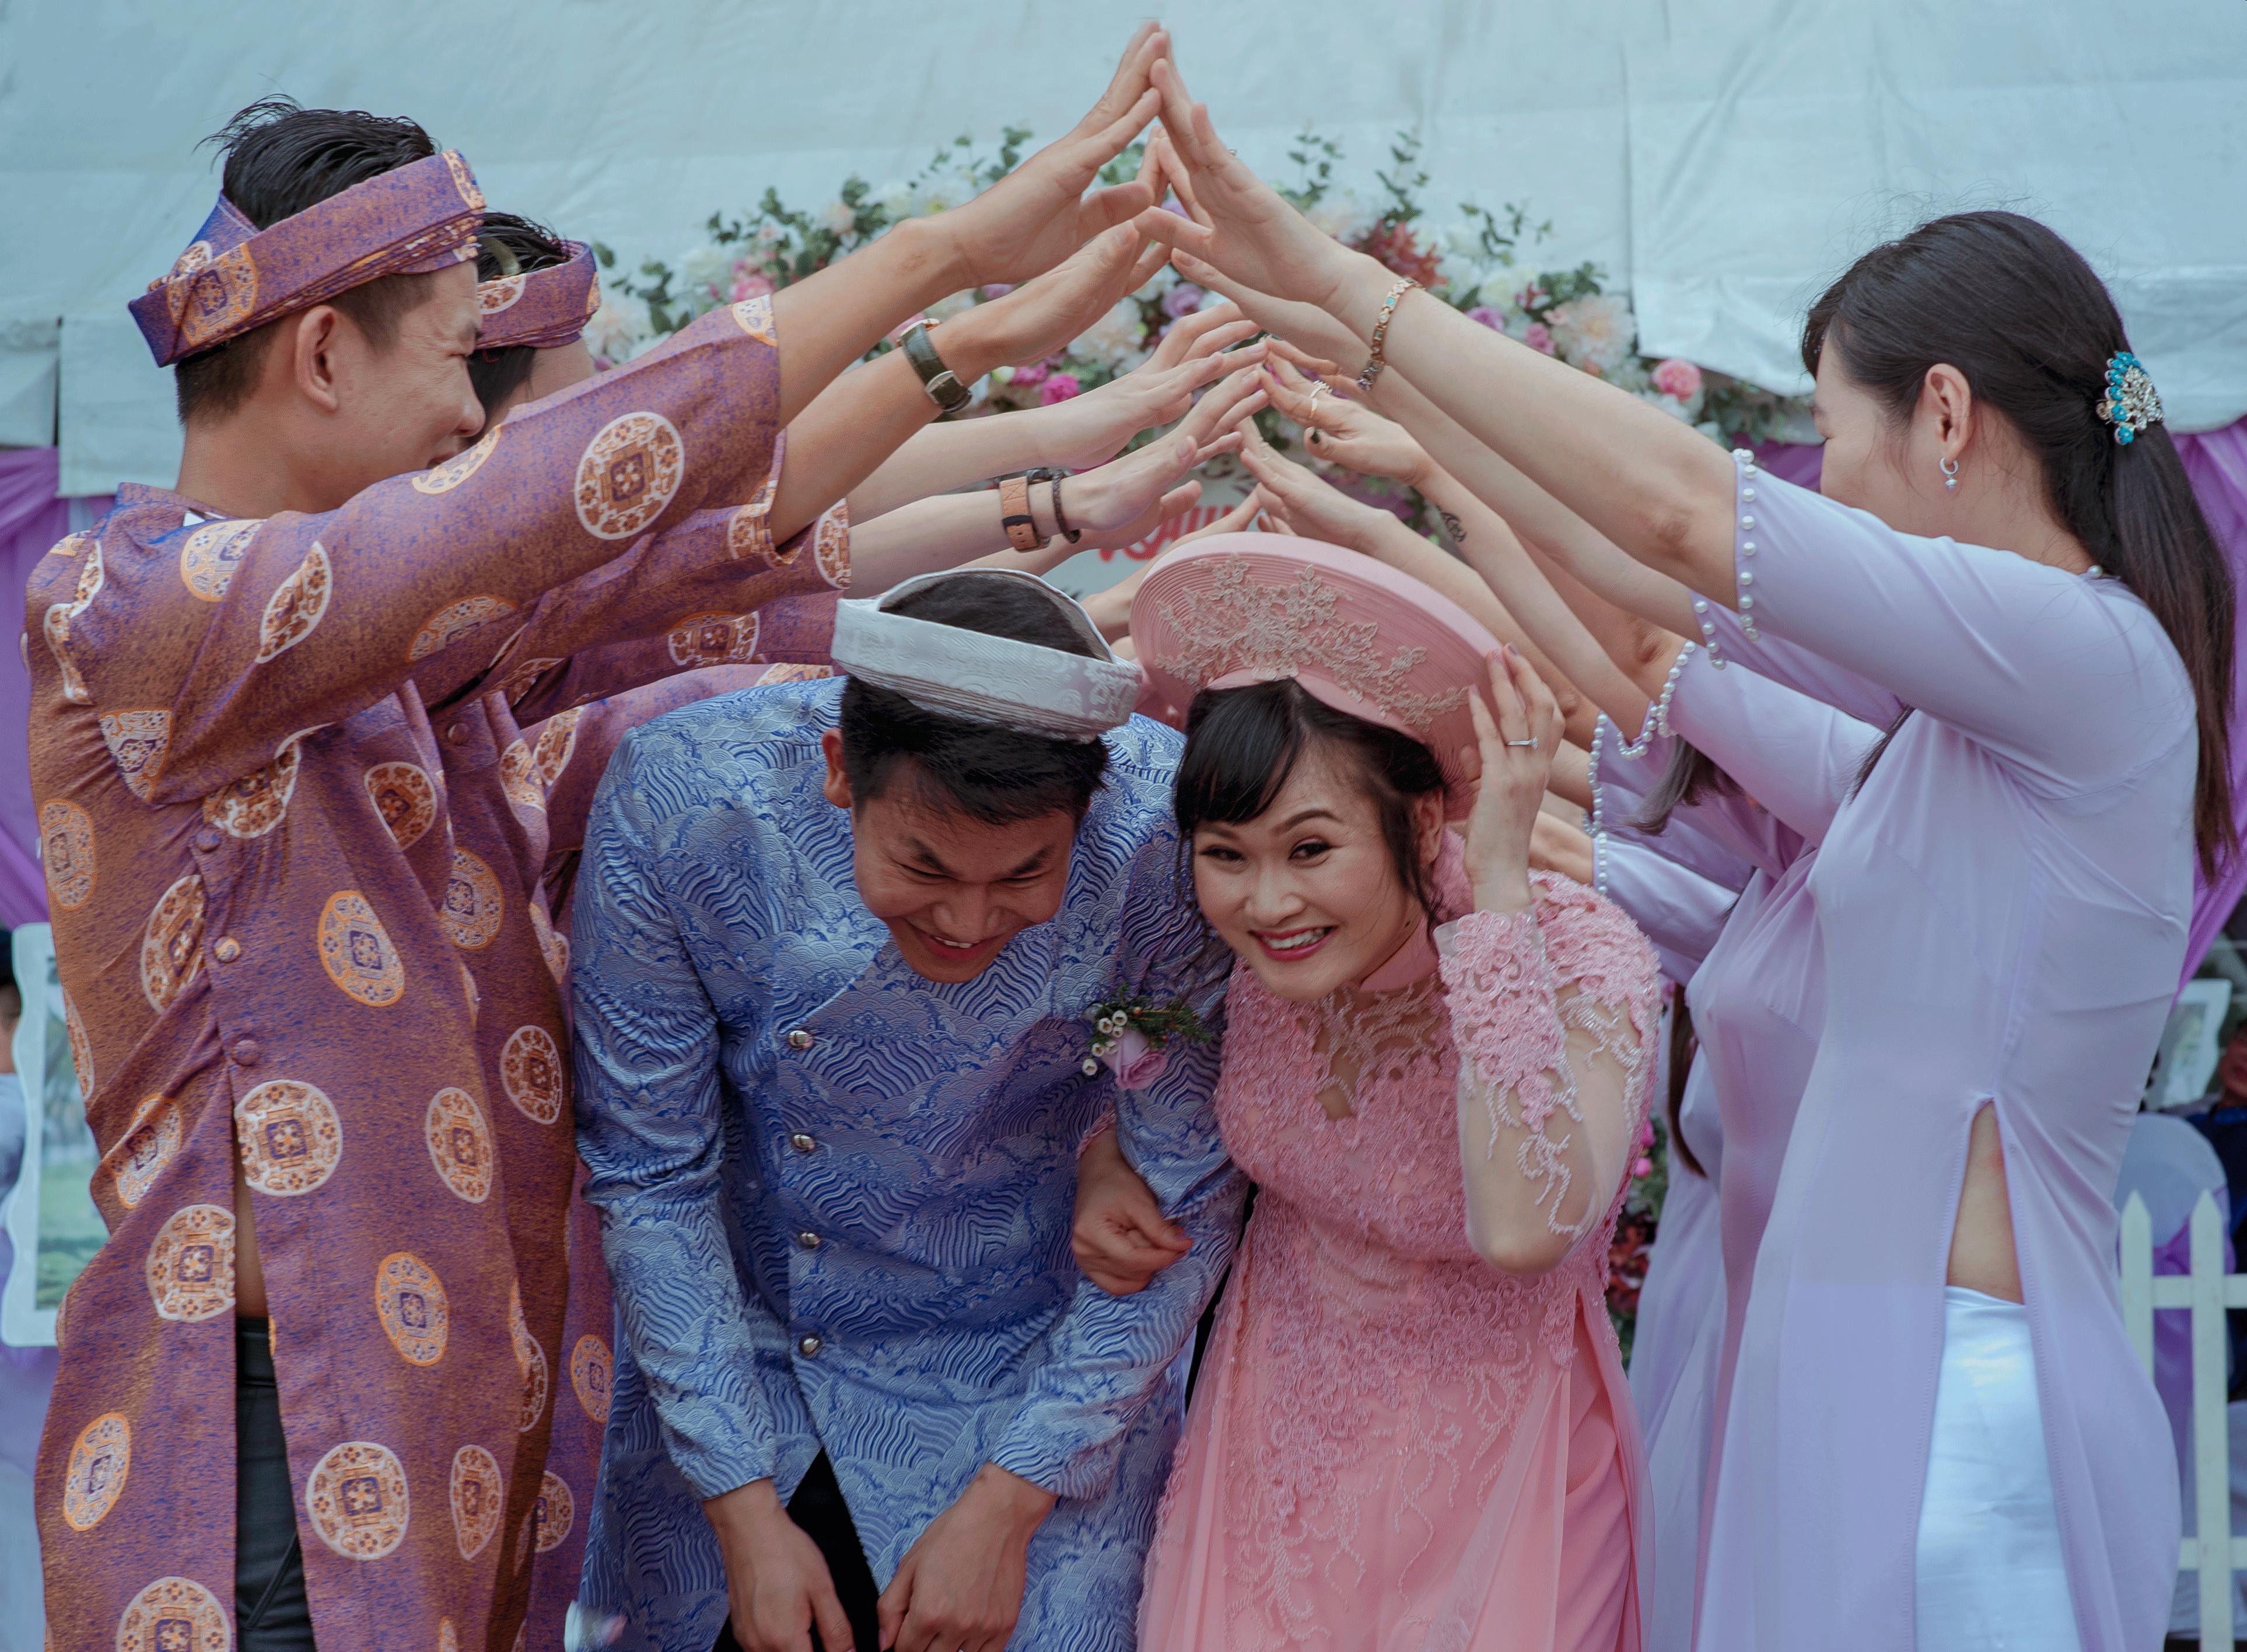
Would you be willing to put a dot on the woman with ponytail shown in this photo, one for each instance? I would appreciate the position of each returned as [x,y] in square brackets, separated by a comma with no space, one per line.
[1939,1436]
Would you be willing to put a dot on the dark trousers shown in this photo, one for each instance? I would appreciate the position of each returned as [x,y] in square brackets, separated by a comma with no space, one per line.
[270,1606]
[819,1510]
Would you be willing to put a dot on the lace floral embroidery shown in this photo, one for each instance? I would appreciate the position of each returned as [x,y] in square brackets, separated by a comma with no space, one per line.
[1237,624]
[1369,1368]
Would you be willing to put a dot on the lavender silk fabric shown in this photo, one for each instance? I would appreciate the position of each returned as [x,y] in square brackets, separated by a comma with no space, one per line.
[2216,462]
[2004,910]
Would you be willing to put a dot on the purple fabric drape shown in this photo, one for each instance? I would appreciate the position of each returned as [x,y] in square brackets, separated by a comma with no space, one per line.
[31,520]
[2215,461]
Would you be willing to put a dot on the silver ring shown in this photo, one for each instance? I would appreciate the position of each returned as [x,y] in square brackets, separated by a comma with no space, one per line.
[1531,744]
[1318,390]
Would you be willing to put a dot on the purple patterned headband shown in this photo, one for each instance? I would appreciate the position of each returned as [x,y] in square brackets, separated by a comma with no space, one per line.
[234,276]
[541,308]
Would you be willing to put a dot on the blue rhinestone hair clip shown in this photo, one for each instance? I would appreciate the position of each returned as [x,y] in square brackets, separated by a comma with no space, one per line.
[2130,402]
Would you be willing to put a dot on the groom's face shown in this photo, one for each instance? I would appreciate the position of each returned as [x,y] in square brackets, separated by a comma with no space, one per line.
[953,890]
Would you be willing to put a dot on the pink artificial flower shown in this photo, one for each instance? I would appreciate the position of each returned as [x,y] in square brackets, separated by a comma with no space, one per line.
[1182,299]
[1031,377]
[749,283]
[1493,320]
[1059,387]
[1677,379]
[1646,1134]
[1643,1167]
[1134,1064]
[997,289]
[1538,336]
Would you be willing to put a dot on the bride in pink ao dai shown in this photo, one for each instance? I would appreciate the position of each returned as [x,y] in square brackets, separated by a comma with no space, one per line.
[1413,1430]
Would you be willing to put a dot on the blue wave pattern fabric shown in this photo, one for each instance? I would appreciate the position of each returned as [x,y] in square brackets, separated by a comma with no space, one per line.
[925,1135]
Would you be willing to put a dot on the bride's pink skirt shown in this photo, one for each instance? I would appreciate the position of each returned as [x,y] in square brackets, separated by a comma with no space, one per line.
[1520,1541]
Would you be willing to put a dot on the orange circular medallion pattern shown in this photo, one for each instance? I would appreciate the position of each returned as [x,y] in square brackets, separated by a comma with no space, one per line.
[137,740]
[459,1143]
[554,1513]
[290,1137]
[190,1265]
[714,639]
[356,952]
[405,797]
[255,804]
[212,552]
[478,1499]
[409,1299]
[148,1146]
[442,479]
[95,1478]
[473,903]
[175,1614]
[629,473]
[531,1067]
[297,605]
[172,943]
[449,625]
[592,1371]
[357,1498]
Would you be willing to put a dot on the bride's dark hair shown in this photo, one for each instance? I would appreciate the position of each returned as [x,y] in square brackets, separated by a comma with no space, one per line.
[1243,743]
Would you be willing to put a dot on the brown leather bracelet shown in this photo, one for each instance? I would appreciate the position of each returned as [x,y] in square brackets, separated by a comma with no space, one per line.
[1014,514]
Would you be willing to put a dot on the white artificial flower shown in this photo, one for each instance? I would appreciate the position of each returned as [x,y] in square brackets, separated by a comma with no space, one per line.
[1117,341]
[620,327]
[708,266]
[1596,333]
[1161,282]
[1676,409]
[897,201]
[945,309]
[840,216]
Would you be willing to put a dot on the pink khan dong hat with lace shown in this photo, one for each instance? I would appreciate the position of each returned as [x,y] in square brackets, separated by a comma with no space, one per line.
[1357,635]
[544,308]
[234,277]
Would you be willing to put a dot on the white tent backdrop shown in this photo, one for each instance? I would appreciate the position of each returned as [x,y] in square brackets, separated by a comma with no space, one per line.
[1719,161]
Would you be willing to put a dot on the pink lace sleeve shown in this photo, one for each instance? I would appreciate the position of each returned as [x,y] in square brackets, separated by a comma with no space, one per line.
[1554,1011]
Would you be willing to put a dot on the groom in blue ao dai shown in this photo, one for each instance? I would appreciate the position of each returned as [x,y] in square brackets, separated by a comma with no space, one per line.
[835,1152]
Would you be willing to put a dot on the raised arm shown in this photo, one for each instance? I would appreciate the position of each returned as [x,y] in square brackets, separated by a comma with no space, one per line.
[1076,435]
[1553,1001]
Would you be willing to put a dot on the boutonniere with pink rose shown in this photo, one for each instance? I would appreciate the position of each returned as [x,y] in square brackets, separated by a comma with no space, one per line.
[1132,1037]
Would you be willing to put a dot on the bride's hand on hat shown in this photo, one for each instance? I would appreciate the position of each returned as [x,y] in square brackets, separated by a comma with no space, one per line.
[1347,433]
[1088,430]
[1232,218]
[1039,213]
[1517,725]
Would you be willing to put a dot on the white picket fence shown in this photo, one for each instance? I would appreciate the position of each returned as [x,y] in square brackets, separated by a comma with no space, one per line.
[2207,1290]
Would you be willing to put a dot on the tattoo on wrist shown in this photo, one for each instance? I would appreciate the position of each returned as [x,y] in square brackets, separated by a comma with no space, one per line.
[1452,526]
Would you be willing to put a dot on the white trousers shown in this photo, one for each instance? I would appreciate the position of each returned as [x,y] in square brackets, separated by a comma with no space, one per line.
[1991,1577]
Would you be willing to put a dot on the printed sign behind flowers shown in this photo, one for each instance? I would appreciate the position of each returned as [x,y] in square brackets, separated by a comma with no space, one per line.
[1474,263]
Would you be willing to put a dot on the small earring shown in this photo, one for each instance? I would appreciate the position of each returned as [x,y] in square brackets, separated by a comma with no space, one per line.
[1951,473]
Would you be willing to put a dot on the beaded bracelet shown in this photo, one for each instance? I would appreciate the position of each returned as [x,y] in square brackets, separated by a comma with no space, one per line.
[1377,360]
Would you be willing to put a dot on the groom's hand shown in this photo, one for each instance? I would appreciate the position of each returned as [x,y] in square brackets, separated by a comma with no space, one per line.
[960,1587]
[777,1583]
